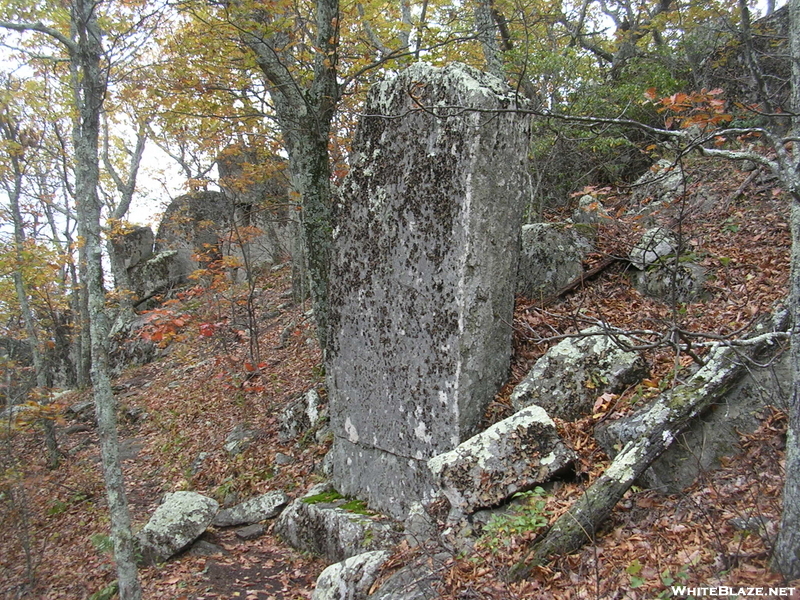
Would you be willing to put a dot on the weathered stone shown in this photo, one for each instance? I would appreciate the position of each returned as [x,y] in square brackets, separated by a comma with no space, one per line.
[204,548]
[317,523]
[250,532]
[421,579]
[177,522]
[654,247]
[590,212]
[657,188]
[672,282]
[574,372]
[510,456]
[552,256]
[350,579]
[419,527]
[162,271]
[422,282]
[302,415]
[266,506]
[710,437]
[132,246]
[239,439]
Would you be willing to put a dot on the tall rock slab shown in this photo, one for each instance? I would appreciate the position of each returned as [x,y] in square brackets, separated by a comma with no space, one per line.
[426,246]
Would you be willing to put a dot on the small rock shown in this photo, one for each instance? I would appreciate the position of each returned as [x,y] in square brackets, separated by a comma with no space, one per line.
[283,459]
[250,532]
[350,579]
[181,519]
[197,463]
[204,548]
[266,506]
[656,244]
[510,456]
[239,439]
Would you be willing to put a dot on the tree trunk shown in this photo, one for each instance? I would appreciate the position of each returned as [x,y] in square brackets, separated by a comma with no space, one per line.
[89,89]
[304,113]
[786,554]
[661,423]
[14,193]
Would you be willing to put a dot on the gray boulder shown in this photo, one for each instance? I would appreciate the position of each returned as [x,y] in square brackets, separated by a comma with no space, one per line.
[266,506]
[653,248]
[574,372]
[421,579]
[673,282]
[350,579]
[324,523]
[239,439]
[552,256]
[176,523]
[510,456]
[662,184]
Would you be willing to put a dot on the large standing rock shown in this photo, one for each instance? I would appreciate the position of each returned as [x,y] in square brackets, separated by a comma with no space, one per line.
[426,247]
[573,373]
[510,456]
[176,523]
[552,256]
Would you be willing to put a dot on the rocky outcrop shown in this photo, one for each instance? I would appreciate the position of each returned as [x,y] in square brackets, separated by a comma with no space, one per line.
[176,523]
[657,188]
[654,248]
[573,373]
[422,279]
[266,506]
[552,256]
[325,523]
[510,456]
[350,579]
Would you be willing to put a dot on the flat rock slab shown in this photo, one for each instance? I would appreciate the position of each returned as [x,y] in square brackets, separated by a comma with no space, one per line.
[350,579]
[250,532]
[424,261]
[176,523]
[510,456]
[573,373]
[266,506]
[327,529]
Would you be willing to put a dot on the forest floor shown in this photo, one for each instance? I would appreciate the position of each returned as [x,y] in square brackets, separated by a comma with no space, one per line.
[54,526]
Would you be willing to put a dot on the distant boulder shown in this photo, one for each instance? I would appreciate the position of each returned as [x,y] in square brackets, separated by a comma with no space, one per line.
[552,256]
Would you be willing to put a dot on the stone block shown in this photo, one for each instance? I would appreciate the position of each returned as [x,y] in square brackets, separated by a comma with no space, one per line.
[426,247]
[509,457]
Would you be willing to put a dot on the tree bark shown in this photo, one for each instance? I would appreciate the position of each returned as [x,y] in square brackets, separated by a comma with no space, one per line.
[304,114]
[89,87]
[660,423]
[786,554]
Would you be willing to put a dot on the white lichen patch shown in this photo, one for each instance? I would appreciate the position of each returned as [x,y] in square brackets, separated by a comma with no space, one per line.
[621,468]
[351,431]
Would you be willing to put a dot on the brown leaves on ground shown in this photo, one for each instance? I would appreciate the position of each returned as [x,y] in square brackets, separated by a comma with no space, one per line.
[202,387]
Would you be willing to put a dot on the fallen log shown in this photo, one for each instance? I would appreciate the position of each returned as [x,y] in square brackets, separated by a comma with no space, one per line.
[656,427]
[579,280]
